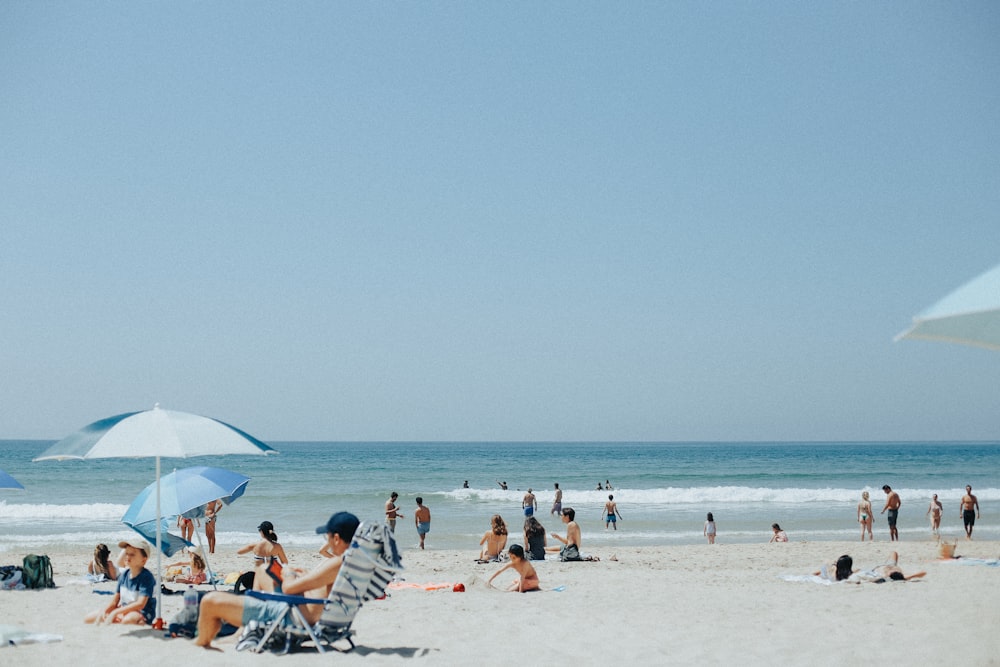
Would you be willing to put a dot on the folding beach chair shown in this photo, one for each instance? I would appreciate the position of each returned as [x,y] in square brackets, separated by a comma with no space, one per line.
[368,567]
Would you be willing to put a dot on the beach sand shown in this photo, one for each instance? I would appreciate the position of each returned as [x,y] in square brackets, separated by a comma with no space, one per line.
[719,604]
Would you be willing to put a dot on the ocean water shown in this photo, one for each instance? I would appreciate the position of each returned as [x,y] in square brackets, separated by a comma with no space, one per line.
[663,490]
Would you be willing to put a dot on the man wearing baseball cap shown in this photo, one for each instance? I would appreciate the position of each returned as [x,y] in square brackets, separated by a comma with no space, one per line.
[217,607]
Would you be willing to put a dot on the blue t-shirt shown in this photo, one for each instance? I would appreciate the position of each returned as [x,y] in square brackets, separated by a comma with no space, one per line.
[131,590]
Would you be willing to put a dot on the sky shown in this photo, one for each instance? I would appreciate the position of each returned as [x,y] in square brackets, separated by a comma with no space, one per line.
[562,221]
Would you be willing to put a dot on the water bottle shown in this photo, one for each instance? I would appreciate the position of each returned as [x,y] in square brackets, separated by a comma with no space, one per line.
[190,599]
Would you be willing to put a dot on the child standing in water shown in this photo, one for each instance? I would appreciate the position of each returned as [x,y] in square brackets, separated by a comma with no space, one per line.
[528,579]
[710,529]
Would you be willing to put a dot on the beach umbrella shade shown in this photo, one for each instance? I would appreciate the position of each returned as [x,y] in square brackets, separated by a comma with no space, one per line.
[155,433]
[970,315]
[8,482]
[182,492]
[170,544]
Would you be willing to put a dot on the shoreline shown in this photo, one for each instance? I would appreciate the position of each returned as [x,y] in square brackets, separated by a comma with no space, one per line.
[681,604]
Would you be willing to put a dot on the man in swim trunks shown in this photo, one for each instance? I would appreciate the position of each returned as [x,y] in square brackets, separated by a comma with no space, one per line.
[529,504]
[970,511]
[392,512]
[557,503]
[573,534]
[422,520]
[892,504]
[611,512]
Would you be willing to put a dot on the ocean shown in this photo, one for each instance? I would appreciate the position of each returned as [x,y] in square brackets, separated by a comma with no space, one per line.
[663,490]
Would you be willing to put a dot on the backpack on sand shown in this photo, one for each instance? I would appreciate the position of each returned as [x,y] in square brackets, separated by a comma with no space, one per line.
[36,572]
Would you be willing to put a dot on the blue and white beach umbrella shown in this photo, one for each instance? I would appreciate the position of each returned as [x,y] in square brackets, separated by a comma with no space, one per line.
[182,492]
[155,433]
[970,315]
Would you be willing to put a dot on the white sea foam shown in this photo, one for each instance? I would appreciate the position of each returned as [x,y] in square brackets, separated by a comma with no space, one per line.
[700,495]
[42,511]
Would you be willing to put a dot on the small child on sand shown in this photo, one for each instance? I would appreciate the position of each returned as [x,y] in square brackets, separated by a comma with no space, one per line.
[779,534]
[709,530]
[528,579]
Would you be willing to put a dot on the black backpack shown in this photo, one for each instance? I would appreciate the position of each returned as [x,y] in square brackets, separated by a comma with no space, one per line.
[36,572]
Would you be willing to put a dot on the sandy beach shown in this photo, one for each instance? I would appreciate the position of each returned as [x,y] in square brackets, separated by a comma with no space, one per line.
[718,604]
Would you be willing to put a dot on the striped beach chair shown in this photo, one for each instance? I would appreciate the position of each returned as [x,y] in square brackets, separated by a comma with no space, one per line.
[369,565]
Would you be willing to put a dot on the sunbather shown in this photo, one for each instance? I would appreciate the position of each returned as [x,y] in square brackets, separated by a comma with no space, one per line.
[101,565]
[265,552]
[192,572]
[494,540]
[133,601]
[889,571]
[237,610]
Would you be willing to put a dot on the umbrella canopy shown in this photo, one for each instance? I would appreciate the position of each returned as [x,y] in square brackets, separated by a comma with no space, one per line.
[155,433]
[970,315]
[186,491]
[8,482]
[170,544]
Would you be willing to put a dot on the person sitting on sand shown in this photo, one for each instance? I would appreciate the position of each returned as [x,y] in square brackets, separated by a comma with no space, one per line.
[265,553]
[527,577]
[494,540]
[534,538]
[134,600]
[217,606]
[193,572]
[779,534]
[573,535]
[100,568]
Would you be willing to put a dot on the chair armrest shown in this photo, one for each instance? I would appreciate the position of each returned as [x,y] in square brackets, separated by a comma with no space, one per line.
[290,599]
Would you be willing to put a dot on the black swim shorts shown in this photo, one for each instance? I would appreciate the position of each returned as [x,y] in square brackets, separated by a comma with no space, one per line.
[969,516]
[892,518]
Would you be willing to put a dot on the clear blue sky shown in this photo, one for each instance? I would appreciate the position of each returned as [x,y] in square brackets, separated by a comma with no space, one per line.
[492,221]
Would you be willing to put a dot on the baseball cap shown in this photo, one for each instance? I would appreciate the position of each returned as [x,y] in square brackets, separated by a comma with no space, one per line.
[341,523]
[141,545]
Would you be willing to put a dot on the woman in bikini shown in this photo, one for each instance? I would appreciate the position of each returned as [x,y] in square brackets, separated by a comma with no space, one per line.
[265,552]
[865,517]
[494,540]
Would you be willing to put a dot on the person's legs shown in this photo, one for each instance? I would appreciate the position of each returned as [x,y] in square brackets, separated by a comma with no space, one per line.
[217,607]
[210,535]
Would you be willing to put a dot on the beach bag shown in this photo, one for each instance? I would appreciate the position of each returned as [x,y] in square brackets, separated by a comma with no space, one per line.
[569,552]
[10,578]
[36,572]
[185,622]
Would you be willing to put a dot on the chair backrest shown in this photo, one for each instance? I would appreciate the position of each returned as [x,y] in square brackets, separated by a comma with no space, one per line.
[368,567]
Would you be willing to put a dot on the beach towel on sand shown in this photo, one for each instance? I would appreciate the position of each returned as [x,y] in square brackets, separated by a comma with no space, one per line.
[11,635]
[808,578]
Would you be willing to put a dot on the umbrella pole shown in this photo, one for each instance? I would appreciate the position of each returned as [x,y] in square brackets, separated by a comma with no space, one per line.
[158,623]
[208,566]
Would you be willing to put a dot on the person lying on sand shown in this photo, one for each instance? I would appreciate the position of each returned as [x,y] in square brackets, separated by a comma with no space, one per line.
[842,570]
